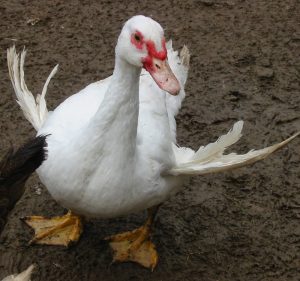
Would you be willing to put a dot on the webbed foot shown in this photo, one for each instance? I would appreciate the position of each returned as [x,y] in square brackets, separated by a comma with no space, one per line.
[62,230]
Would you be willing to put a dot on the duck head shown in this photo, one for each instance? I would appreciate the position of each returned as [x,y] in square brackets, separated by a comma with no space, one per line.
[142,44]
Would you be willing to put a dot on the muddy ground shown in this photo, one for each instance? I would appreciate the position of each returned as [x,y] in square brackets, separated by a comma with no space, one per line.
[240,225]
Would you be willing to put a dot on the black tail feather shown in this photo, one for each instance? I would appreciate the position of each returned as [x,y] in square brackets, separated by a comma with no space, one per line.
[15,168]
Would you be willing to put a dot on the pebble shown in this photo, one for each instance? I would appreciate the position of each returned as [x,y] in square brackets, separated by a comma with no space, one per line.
[264,72]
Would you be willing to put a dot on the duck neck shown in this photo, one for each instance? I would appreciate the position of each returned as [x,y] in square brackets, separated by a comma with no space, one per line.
[115,123]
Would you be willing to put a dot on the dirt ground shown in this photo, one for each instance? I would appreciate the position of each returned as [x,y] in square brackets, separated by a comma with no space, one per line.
[240,225]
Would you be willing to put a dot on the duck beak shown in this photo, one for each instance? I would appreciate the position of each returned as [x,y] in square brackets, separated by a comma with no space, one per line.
[163,76]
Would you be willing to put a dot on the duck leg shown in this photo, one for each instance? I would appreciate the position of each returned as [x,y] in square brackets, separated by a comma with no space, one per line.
[136,246]
[55,231]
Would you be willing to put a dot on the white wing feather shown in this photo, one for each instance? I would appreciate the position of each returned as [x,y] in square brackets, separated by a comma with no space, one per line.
[216,149]
[180,66]
[210,159]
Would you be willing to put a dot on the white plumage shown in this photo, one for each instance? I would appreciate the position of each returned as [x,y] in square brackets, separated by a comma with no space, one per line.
[211,158]
[111,147]
[23,276]
[35,110]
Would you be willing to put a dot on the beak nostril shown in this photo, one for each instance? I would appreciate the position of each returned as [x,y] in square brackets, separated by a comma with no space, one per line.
[157,66]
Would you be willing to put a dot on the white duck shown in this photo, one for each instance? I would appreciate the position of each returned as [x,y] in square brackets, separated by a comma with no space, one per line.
[112,146]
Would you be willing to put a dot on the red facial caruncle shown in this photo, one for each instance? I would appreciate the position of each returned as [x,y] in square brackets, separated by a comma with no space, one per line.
[153,53]
[156,63]
[137,39]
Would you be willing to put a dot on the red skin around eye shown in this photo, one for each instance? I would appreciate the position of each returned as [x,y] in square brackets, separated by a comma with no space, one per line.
[138,44]
[152,52]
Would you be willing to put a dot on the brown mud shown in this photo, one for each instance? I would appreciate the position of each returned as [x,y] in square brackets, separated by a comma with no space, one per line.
[240,225]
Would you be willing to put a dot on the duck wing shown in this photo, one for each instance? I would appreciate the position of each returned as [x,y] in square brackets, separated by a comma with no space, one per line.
[211,158]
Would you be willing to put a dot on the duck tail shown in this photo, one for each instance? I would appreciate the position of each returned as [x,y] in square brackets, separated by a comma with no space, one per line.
[34,110]
[211,158]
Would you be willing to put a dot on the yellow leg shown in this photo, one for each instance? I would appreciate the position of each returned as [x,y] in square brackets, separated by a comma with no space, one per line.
[55,231]
[136,246]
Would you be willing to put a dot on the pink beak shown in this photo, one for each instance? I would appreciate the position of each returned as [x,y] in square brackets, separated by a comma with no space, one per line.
[163,76]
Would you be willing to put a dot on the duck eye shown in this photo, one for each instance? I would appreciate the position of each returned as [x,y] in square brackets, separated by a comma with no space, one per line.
[137,37]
